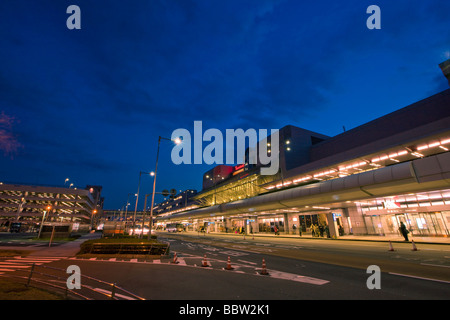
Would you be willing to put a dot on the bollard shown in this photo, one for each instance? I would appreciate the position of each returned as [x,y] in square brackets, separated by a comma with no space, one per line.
[113,291]
[31,274]
[175,259]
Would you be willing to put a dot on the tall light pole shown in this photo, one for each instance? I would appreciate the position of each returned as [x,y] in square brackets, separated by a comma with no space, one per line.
[43,219]
[177,141]
[126,208]
[137,198]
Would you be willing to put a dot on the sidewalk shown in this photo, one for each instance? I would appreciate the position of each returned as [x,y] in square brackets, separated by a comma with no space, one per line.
[417,239]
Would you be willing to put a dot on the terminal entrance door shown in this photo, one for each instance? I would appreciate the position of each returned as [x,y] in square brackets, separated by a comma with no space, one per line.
[424,224]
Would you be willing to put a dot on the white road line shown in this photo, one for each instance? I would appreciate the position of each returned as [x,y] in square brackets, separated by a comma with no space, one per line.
[13,266]
[435,265]
[296,277]
[39,258]
[415,277]
[248,262]
[30,261]
[1,269]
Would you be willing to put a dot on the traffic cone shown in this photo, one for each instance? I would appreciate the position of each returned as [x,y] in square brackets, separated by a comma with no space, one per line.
[175,258]
[263,269]
[413,246]
[204,262]
[229,267]
[390,246]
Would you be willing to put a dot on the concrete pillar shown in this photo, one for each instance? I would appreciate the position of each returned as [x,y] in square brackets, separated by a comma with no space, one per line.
[357,220]
[332,226]
[287,225]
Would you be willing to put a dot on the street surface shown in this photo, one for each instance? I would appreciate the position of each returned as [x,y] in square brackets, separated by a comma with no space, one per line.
[297,269]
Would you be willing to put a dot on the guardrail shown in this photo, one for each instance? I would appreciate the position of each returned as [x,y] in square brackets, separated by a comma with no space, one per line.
[88,291]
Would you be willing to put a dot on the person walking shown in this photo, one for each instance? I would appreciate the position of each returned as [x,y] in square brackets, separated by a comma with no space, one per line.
[275,229]
[404,231]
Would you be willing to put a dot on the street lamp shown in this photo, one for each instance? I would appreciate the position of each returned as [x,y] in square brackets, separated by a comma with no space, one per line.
[43,218]
[137,198]
[177,141]
[126,207]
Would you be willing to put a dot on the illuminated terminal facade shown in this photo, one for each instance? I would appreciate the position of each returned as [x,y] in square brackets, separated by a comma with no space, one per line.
[364,181]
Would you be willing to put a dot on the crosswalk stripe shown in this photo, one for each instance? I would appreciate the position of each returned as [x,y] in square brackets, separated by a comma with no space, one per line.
[31,261]
[13,265]
[1,269]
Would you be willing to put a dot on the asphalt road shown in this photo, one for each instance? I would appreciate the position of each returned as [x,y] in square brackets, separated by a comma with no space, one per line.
[297,270]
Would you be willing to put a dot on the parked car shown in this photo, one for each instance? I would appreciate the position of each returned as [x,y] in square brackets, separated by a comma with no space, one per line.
[15,227]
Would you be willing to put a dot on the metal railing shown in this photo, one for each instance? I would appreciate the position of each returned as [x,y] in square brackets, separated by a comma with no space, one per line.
[96,289]
[126,248]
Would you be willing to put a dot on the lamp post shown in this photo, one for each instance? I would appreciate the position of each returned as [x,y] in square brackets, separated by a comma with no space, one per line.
[177,141]
[126,208]
[43,218]
[137,198]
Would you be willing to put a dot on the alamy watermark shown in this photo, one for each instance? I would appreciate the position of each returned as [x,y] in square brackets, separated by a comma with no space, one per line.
[74,280]
[262,149]
[374,280]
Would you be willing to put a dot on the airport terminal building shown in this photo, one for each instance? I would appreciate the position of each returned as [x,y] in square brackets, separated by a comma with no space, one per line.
[364,181]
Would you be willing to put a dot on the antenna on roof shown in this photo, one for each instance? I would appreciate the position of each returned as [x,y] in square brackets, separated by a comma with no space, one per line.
[343,127]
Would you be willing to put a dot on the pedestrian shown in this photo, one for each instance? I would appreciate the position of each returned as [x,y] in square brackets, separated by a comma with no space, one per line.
[327,231]
[321,230]
[404,231]
[275,229]
[313,230]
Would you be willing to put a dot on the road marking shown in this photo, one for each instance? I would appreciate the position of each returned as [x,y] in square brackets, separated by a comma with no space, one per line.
[295,277]
[248,262]
[434,265]
[415,277]
[5,270]
[31,261]
[10,265]
[233,253]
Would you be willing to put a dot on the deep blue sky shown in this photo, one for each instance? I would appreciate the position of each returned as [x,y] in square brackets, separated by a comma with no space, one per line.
[90,104]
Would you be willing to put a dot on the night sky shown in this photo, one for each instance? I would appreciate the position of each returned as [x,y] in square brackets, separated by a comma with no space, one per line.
[89,104]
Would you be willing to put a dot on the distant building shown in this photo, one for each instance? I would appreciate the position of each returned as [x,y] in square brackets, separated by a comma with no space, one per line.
[176,203]
[28,203]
